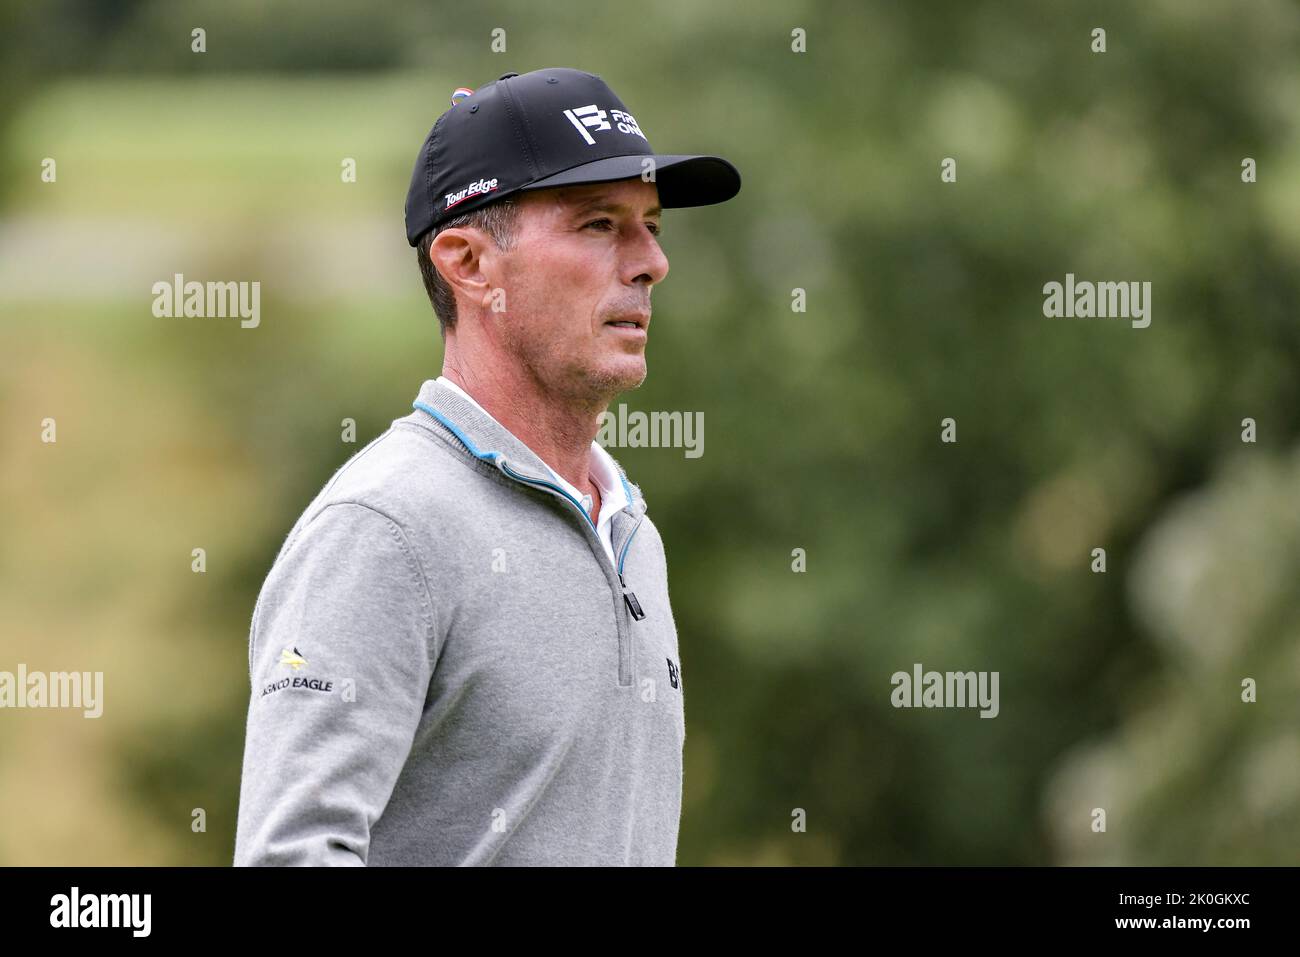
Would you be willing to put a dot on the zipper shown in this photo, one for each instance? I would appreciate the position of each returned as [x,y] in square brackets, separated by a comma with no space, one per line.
[505,467]
[629,597]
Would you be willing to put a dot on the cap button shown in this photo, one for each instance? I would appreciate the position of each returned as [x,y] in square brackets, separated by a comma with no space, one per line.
[506,76]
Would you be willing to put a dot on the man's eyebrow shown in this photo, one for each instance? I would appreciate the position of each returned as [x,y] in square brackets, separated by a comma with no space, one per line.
[603,205]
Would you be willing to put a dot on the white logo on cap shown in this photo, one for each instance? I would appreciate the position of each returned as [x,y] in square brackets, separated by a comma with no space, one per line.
[592,117]
[473,189]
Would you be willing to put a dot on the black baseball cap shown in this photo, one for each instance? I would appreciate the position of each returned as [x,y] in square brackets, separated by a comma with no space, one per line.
[552,127]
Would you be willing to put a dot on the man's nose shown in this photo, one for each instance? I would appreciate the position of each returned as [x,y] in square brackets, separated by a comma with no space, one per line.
[646,261]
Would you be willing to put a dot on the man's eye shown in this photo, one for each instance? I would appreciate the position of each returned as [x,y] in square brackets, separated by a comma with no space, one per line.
[604,224]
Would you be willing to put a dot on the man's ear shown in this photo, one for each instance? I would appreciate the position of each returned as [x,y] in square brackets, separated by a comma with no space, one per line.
[457,255]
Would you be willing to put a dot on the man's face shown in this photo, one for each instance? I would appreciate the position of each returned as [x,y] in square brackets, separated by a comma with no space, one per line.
[584,259]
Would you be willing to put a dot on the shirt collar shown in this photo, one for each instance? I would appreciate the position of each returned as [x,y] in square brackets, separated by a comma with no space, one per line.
[604,472]
[487,435]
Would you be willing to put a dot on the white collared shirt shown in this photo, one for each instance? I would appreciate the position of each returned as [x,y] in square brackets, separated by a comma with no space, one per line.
[613,497]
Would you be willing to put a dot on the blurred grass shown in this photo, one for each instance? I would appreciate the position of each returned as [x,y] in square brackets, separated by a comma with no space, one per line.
[261,148]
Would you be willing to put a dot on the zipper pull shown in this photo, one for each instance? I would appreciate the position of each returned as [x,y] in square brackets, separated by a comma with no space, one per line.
[633,605]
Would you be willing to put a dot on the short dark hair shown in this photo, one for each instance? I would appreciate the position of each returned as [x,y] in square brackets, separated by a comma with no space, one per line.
[499,220]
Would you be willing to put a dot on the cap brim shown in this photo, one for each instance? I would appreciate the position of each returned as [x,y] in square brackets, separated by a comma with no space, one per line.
[682,180]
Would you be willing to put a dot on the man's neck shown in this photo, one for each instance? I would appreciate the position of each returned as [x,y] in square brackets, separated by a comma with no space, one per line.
[559,432]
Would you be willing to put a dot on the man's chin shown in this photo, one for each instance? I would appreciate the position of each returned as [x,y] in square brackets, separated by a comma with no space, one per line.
[616,377]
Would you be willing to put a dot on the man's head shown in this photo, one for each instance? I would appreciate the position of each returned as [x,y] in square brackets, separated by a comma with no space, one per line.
[556,282]
[534,207]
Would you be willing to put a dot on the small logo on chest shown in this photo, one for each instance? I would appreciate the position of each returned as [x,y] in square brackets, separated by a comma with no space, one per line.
[674,673]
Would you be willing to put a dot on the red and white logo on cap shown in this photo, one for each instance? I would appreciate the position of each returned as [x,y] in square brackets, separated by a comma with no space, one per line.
[476,188]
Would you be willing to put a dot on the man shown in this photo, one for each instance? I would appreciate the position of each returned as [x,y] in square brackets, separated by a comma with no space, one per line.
[464,652]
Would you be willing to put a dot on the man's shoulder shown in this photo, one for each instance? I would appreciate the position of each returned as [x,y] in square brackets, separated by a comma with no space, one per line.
[649,531]
[407,473]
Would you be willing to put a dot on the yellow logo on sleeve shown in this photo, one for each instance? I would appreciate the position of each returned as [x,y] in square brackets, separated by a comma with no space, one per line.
[293,659]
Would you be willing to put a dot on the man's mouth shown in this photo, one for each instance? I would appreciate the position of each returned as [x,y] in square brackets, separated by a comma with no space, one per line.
[629,322]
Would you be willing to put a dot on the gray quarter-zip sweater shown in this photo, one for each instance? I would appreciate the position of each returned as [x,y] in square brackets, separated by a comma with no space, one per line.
[447,668]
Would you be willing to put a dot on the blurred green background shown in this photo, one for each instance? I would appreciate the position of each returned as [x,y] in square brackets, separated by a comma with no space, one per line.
[1118,690]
